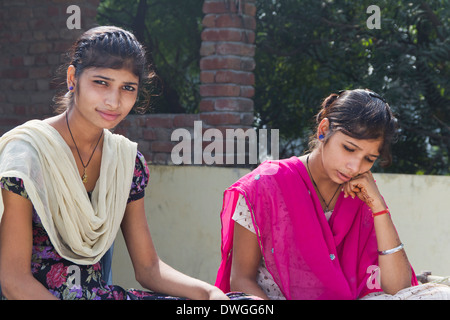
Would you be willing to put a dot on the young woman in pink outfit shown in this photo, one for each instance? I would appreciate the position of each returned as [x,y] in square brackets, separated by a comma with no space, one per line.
[317,226]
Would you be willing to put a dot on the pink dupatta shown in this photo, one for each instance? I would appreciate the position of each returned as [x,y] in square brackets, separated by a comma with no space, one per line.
[308,256]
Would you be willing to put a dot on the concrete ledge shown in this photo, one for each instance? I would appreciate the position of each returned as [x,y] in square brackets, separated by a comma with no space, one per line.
[183,205]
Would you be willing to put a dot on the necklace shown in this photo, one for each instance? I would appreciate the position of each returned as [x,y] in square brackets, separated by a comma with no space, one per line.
[327,205]
[84,177]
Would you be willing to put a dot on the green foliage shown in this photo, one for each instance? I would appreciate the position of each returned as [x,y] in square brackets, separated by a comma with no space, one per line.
[307,49]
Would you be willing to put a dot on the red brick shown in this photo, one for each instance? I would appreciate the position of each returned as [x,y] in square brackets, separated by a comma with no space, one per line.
[221,118]
[249,9]
[226,6]
[40,47]
[248,36]
[234,104]
[209,21]
[159,121]
[237,77]
[159,158]
[20,110]
[206,105]
[185,120]
[16,61]
[39,72]
[215,34]
[230,21]
[218,62]
[207,48]
[235,48]
[247,64]
[162,146]
[219,90]
[247,91]
[149,134]
[61,46]
[53,11]
[247,119]
[15,74]
[207,76]
[122,131]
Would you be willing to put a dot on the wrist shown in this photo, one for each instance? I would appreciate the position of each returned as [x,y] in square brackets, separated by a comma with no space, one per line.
[378,206]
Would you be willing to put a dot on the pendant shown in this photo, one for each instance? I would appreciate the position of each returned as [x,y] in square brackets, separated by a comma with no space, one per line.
[84,177]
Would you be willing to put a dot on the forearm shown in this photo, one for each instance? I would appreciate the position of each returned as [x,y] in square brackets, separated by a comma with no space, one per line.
[395,269]
[248,286]
[164,279]
[25,288]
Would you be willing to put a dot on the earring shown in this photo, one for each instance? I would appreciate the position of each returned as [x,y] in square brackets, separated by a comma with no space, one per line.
[321,137]
[70,88]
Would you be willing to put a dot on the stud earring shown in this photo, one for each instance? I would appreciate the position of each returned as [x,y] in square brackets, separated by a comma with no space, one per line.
[70,88]
[321,137]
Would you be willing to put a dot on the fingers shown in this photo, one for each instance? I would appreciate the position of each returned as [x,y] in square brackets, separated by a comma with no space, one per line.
[359,186]
[350,189]
[356,185]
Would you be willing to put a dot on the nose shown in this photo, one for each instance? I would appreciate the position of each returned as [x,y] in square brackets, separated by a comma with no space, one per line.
[353,166]
[112,99]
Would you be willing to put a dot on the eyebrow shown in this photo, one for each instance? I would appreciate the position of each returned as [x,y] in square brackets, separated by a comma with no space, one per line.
[356,146]
[110,79]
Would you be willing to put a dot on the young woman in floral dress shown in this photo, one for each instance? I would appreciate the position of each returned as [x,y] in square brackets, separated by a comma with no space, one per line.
[68,185]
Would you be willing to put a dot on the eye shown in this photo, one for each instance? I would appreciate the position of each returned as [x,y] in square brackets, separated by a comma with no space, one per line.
[370,160]
[129,88]
[101,82]
[348,149]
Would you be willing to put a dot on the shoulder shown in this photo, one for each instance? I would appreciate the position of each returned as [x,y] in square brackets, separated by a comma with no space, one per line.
[141,167]
[273,171]
[141,177]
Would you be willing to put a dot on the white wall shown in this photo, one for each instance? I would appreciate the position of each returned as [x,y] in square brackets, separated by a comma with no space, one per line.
[420,208]
[183,205]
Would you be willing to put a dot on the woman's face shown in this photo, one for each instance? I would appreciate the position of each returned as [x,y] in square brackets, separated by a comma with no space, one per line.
[105,96]
[345,157]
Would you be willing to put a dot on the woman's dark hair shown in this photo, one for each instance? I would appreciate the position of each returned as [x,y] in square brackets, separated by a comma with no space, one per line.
[107,47]
[360,114]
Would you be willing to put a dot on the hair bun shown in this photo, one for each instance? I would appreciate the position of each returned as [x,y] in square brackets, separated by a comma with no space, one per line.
[327,102]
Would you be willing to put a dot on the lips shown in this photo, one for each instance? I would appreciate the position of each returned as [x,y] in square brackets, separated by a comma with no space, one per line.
[109,116]
[343,177]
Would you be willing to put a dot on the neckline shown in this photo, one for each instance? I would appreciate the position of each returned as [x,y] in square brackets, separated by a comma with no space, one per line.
[303,174]
[66,148]
[316,187]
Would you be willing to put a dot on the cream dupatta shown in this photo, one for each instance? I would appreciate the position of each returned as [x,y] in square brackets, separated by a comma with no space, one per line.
[80,229]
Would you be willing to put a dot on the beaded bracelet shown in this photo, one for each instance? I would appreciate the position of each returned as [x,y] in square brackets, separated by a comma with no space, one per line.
[374,214]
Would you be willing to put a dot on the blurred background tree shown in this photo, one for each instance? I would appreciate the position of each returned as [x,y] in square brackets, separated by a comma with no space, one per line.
[307,49]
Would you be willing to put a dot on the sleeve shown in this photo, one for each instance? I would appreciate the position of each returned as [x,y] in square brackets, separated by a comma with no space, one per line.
[242,214]
[140,178]
[14,185]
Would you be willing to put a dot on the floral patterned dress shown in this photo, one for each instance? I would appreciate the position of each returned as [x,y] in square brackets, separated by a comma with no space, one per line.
[57,274]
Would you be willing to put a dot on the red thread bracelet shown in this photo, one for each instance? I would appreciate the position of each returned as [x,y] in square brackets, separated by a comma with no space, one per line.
[374,214]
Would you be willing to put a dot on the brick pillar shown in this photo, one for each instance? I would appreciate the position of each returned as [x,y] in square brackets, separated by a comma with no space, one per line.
[227,63]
